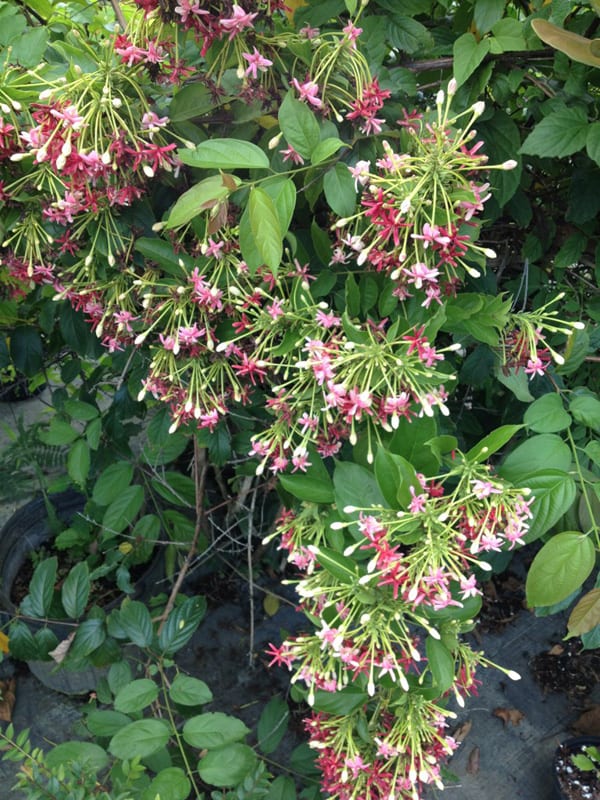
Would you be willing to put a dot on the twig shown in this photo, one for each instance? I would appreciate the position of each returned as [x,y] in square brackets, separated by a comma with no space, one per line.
[200,468]
[446,62]
[250,574]
[119,14]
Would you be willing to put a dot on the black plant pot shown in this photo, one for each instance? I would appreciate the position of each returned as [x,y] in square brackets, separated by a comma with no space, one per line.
[25,532]
[572,783]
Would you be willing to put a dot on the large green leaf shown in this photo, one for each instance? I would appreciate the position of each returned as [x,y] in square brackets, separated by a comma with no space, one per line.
[545,451]
[441,664]
[343,702]
[79,461]
[171,783]
[554,492]
[547,415]
[181,624]
[111,482]
[468,55]
[213,730]
[136,622]
[90,635]
[41,588]
[560,133]
[105,723]
[586,409]
[225,154]
[266,231]
[560,567]
[137,695]
[272,724]
[340,193]
[299,126]
[314,485]
[75,590]
[123,509]
[140,739]
[491,443]
[188,691]
[227,766]
[88,753]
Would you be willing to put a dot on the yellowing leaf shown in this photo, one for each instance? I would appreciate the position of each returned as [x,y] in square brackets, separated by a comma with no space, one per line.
[271,604]
[3,642]
[586,614]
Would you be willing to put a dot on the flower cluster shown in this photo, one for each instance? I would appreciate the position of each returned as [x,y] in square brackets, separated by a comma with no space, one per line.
[388,611]
[418,215]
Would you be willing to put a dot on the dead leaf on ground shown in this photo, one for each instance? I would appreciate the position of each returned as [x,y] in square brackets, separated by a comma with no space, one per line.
[7,699]
[512,715]
[556,650]
[461,733]
[588,723]
[473,761]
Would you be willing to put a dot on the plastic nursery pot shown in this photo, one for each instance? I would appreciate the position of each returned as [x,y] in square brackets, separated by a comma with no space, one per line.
[570,782]
[25,532]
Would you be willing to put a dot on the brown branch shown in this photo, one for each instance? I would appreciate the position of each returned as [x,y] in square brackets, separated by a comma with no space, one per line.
[119,14]
[446,62]
[200,468]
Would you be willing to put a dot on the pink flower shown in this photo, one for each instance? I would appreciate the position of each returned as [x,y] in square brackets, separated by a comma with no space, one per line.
[292,155]
[256,62]
[237,22]
[483,489]
[418,502]
[356,765]
[468,587]
[535,366]
[308,92]
[420,273]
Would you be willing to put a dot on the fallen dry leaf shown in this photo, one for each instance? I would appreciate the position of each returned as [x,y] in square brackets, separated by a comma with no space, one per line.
[62,648]
[588,723]
[512,715]
[462,731]
[7,699]
[556,650]
[473,761]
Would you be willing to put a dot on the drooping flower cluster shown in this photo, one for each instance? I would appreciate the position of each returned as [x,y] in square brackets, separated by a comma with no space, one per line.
[388,611]
[417,220]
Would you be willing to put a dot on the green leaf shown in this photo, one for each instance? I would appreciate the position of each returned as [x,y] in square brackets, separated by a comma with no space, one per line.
[545,451]
[41,588]
[468,55]
[171,783]
[181,624]
[227,766]
[491,443]
[89,753]
[136,622]
[441,664]
[586,409]
[407,34]
[59,433]
[559,568]
[586,614]
[103,723]
[201,197]
[272,725]
[410,441]
[508,36]
[343,702]
[85,412]
[355,485]
[340,193]
[282,788]
[213,730]
[140,739]
[282,192]
[75,590]
[547,415]
[191,101]
[78,462]
[592,143]
[29,48]
[560,133]
[136,696]
[188,691]
[341,567]
[314,485]
[592,450]
[225,154]
[123,510]
[516,381]
[90,634]
[111,482]
[395,477]
[266,231]
[554,493]
[326,148]
[299,126]
[487,13]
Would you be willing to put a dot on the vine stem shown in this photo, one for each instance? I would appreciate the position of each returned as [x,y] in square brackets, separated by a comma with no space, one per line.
[200,467]
[584,492]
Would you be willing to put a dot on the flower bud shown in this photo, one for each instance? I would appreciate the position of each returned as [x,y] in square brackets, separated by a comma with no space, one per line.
[478,108]
[452,87]
[273,143]
[440,97]
[510,164]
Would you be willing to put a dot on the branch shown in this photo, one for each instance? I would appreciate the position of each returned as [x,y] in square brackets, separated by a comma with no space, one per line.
[446,62]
